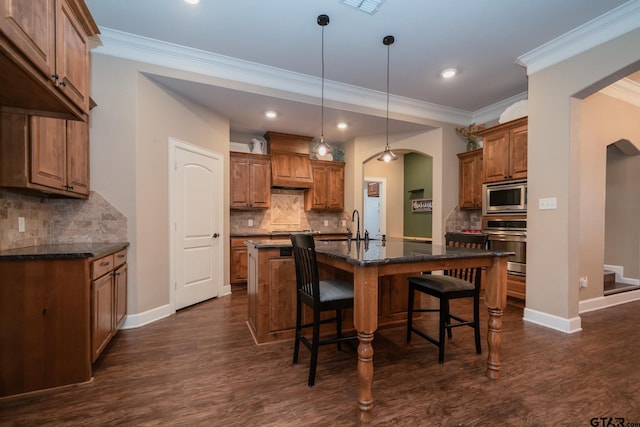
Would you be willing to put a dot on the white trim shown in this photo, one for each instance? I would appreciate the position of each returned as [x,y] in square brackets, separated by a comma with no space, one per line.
[619,21]
[494,111]
[619,270]
[599,303]
[174,144]
[625,90]
[568,326]
[262,79]
[141,319]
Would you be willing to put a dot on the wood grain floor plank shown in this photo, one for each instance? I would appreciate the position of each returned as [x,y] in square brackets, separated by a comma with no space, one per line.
[201,367]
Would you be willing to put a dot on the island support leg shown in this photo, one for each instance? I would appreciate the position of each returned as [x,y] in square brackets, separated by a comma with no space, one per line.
[496,300]
[365,320]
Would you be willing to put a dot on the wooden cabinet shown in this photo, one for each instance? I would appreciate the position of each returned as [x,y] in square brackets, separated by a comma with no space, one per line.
[250,181]
[44,154]
[45,56]
[290,164]
[327,192]
[108,299]
[55,313]
[505,151]
[238,271]
[516,286]
[470,180]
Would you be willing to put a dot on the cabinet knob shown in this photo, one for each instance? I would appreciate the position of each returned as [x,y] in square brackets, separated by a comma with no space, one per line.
[55,76]
[215,235]
[62,83]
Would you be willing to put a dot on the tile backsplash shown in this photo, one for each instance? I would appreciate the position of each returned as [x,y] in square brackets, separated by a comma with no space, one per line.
[58,220]
[462,219]
[286,214]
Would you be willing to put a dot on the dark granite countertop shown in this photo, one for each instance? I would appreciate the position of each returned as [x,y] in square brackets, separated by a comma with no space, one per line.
[286,233]
[376,252]
[62,251]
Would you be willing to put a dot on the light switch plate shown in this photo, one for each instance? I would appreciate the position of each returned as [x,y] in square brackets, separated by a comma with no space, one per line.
[548,203]
[21,224]
[250,223]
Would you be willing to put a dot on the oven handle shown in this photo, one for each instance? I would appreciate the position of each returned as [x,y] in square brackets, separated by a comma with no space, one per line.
[508,237]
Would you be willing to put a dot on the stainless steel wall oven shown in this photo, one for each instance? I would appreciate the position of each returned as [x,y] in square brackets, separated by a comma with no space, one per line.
[508,234]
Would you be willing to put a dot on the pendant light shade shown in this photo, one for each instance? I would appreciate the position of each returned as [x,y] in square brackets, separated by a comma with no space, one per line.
[322,148]
[387,155]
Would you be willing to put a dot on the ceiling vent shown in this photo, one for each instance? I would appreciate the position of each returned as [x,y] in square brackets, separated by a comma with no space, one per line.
[368,6]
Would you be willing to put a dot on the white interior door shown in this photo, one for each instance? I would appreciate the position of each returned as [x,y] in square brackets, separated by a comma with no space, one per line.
[196,201]
[374,209]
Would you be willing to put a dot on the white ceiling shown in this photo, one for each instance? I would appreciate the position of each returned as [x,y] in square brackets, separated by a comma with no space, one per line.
[482,39]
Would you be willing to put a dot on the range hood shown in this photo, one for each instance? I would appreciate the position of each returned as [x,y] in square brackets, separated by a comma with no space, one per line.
[290,164]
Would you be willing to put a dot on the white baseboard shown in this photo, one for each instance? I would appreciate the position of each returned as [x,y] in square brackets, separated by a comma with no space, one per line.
[568,326]
[619,270]
[140,319]
[608,301]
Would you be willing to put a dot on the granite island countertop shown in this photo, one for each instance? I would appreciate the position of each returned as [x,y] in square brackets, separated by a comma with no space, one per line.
[62,251]
[377,252]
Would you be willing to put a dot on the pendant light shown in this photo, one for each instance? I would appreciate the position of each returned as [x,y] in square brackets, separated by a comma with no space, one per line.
[387,155]
[322,148]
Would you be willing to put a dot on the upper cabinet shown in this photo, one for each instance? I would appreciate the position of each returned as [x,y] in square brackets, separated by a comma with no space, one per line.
[44,56]
[44,154]
[327,192]
[505,151]
[470,180]
[250,181]
[290,164]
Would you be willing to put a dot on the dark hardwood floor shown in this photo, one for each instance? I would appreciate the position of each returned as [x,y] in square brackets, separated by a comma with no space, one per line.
[201,367]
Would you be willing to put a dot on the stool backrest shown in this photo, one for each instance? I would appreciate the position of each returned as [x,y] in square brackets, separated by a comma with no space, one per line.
[471,241]
[304,255]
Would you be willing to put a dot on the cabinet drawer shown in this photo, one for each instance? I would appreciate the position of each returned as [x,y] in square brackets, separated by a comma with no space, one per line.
[119,258]
[101,266]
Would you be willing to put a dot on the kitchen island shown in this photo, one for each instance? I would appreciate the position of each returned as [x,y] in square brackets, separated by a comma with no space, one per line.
[368,262]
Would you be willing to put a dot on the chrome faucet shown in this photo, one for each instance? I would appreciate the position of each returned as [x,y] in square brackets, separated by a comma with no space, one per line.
[353,215]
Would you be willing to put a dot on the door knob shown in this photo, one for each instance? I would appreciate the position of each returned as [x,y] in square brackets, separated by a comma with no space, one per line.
[215,235]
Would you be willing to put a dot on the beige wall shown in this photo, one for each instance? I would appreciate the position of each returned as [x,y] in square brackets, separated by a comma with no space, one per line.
[602,121]
[441,144]
[129,164]
[555,144]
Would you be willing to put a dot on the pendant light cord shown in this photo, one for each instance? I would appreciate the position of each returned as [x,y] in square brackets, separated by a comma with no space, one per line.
[388,55]
[322,92]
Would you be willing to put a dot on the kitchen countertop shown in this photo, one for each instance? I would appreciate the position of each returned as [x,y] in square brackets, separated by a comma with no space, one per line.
[62,251]
[286,233]
[377,252]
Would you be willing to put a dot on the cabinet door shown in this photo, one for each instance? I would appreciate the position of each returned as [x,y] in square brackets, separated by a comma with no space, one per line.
[30,27]
[48,152]
[120,297]
[496,157]
[291,169]
[335,198]
[238,273]
[518,152]
[282,294]
[470,180]
[102,309]
[78,157]
[72,56]
[239,182]
[320,190]
[260,183]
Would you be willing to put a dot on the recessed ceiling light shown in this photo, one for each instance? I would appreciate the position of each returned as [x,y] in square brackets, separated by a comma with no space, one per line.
[448,73]
[271,114]
[342,125]
[192,1]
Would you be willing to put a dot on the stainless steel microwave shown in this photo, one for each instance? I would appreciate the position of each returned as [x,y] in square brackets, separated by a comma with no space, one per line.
[504,198]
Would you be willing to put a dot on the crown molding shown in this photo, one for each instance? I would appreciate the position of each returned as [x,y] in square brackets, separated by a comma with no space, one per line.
[263,79]
[625,90]
[619,21]
[493,111]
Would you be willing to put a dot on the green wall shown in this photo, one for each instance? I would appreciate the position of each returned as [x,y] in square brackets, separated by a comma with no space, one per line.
[418,174]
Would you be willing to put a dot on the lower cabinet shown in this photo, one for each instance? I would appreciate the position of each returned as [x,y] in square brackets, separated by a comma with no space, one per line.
[108,299]
[57,316]
[238,270]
